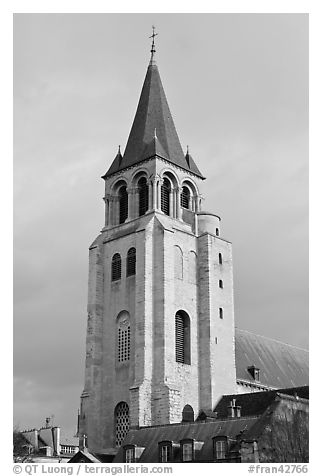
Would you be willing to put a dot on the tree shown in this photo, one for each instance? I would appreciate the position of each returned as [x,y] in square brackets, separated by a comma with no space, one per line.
[21,447]
[286,437]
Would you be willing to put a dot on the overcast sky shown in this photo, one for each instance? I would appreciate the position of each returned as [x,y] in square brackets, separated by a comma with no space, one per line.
[237,86]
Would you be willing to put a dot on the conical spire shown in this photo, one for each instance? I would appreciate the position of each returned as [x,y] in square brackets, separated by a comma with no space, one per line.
[153,114]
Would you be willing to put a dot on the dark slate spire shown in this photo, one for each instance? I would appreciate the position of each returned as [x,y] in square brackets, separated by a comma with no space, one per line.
[117,163]
[152,114]
[191,163]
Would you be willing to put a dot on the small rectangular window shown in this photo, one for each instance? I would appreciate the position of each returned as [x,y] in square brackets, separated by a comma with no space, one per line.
[165,451]
[187,451]
[221,284]
[221,313]
[165,454]
[129,455]
[220,449]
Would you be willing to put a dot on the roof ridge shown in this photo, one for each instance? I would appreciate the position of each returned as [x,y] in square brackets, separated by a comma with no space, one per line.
[185,423]
[272,339]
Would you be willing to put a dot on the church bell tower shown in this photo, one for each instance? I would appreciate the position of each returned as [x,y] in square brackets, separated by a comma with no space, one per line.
[160,329]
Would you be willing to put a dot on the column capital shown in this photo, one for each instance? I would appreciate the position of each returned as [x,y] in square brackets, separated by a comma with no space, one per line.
[131,189]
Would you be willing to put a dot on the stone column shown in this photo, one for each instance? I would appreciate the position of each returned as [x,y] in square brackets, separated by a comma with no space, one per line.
[111,205]
[178,191]
[151,195]
[107,206]
[131,205]
[172,207]
[191,204]
[116,211]
[158,194]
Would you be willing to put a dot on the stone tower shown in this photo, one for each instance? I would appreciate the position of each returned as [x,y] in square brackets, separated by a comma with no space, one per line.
[160,331]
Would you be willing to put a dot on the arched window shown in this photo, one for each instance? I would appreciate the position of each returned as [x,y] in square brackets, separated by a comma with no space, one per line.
[188,413]
[182,337]
[185,197]
[123,337]
[178,263]
[220,258]
[143,196]
[123,201]
[116,267]
[131,262]
[165,196]
[122,422]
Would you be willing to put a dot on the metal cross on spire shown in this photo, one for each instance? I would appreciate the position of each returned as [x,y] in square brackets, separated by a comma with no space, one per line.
[154,34]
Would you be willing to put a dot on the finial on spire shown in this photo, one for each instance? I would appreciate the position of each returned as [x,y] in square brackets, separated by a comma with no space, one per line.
[153,45]
[155,133]
[119,149]
[187,150]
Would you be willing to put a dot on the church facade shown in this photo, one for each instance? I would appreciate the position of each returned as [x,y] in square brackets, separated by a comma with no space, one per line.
[161,341]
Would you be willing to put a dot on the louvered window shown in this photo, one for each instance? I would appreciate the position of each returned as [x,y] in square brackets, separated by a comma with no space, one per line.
[165,196]
[116,267]
[131,262]
[185,197]
[143,196]
[123,201]
[182,337]
[122,422]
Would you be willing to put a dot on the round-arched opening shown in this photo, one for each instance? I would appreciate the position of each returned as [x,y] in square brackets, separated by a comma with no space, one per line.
[116,270]
[122,422]
[165,196]
[185,197]
[123,203]
[188,413]
[182,337]
[131,262]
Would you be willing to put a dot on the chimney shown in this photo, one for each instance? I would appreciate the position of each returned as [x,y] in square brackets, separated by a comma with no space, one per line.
[254,372]
[78,417]
[82,442]
[34,439]
[234,411]
[56,439]
[231,409]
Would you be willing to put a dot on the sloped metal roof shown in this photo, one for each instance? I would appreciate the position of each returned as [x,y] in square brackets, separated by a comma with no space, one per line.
[255,403]
[149,437]
[281,365]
